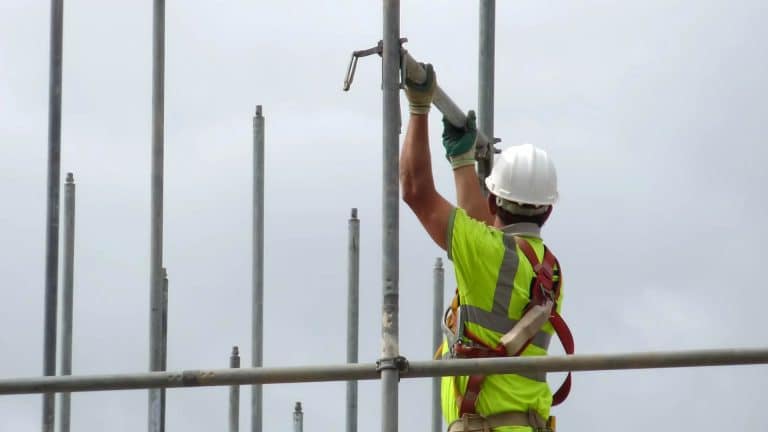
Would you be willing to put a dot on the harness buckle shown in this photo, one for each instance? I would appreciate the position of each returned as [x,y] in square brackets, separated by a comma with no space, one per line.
[474,423]
[547,293]
[472,349]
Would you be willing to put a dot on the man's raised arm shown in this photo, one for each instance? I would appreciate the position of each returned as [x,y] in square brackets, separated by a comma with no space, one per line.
[459,143]
[416,181]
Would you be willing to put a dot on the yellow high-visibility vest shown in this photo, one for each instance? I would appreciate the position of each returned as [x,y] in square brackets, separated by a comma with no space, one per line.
[494,279]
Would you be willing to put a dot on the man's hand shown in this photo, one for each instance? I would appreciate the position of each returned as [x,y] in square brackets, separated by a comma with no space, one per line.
[420,94]
[459,142]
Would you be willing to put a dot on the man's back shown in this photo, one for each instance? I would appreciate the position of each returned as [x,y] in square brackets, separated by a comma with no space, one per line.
[494,283]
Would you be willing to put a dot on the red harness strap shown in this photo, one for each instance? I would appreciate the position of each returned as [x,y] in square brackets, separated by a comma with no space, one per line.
[542,290]
[467,402]
[546,288]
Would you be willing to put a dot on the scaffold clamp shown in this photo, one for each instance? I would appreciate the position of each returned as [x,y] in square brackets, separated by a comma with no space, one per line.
[378,49]
[400,363]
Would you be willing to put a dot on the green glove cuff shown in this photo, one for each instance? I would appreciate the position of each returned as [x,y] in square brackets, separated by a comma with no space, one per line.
[459,140]
[463,159]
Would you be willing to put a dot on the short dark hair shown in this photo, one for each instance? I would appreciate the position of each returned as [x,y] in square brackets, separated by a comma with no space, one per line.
[509,218]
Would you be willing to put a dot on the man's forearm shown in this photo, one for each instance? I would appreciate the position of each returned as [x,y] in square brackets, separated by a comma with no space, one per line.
[469,196]
[459,142]
[415,160]
[418,187]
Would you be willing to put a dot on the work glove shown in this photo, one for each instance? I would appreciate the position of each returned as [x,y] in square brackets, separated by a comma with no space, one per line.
[459,142]
[420,94]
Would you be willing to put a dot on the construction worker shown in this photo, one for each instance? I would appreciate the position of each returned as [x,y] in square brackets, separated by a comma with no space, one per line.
[498,257]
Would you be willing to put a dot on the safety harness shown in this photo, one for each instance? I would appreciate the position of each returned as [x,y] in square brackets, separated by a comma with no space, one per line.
[544,290]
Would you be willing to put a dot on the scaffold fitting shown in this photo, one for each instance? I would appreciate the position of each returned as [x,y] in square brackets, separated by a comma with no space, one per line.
[400,363]
[378,49]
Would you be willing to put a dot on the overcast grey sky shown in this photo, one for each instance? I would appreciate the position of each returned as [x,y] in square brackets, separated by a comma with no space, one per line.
[654,112]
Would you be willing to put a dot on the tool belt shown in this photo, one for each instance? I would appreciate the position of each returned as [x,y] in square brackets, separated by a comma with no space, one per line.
[478,423]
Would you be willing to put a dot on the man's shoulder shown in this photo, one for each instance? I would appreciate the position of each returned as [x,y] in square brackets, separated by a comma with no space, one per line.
[478,230]
[470,237]
[461,217]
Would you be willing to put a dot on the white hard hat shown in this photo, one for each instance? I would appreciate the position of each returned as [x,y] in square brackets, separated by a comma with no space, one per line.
[524,174]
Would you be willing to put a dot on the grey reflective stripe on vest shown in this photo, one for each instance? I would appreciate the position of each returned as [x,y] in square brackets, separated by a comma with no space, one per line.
[500,324]
[526,229]
[498,319]
[505,283]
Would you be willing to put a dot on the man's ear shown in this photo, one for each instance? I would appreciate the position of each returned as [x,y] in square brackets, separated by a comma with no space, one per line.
[492,207]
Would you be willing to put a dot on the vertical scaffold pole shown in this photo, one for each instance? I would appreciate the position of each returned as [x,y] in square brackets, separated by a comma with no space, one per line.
[163,343]
[437,339]
[390,374]
[68,272]
[156,223]
[52,208]
[257,276]
[353,284]
[234,394]
[486,82]
[298,418]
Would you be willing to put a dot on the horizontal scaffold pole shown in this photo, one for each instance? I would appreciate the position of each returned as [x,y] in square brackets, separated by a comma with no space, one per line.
[369,371]
[445,104]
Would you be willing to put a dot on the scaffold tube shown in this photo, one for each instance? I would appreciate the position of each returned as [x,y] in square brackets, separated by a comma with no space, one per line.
[441,100]
[368,371]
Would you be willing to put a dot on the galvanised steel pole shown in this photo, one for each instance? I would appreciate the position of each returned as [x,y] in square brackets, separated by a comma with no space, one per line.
[353,313]
[234,394]
[437,339]
[68,272]
[154,417]
[298,418]
[257,277]
[52,208]
[370,371]
[486,83]
[390,374]
[164,344]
